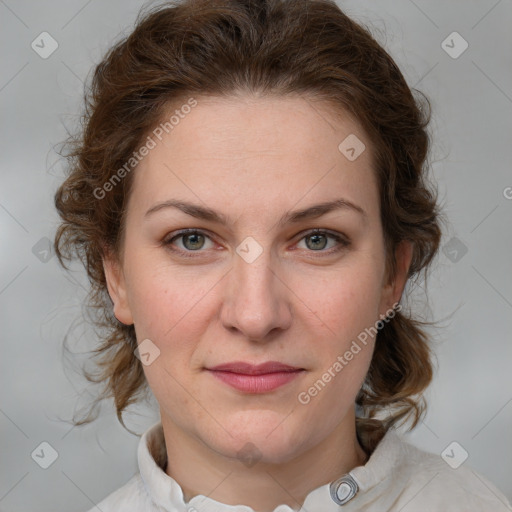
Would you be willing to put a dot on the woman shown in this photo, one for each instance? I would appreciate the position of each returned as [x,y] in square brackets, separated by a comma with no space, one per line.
[249,199]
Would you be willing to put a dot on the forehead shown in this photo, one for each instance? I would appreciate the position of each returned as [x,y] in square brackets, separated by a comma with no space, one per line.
[254,152]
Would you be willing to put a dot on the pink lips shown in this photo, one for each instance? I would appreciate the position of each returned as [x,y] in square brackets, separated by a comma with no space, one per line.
[260,378]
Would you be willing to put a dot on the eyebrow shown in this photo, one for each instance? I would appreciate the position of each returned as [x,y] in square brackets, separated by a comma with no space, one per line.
[293,217]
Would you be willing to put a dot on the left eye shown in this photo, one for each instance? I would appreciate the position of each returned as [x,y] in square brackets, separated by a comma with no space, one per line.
[318,240]
[195,240]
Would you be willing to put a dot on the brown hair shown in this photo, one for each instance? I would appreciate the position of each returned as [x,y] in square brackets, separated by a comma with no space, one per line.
[226,47]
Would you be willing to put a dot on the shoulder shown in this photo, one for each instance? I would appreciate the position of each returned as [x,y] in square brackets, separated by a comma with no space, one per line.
[429,483]
[130,497]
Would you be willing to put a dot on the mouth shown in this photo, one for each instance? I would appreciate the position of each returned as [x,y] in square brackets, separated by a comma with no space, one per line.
[253,379]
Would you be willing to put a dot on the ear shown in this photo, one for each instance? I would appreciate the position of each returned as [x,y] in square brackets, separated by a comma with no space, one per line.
[116,285]
[392,290]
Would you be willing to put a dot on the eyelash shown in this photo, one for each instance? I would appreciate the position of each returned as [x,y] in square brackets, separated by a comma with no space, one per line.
[343,243]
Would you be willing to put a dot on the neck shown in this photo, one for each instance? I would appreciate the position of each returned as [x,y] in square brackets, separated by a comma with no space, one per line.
[262,486]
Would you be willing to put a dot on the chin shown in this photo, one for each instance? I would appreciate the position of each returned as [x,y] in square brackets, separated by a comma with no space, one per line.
[263,436]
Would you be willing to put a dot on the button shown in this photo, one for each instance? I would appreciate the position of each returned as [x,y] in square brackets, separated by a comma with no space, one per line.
[343,489]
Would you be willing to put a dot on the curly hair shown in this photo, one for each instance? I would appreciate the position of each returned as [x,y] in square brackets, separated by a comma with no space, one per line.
[222,48]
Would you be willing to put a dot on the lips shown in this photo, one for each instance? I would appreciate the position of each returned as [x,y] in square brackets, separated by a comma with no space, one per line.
[253,379]
[250,369]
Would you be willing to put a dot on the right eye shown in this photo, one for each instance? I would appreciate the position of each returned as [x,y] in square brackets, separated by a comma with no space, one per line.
[192,240]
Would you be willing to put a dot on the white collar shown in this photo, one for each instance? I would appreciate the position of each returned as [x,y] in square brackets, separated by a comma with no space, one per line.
[168,494]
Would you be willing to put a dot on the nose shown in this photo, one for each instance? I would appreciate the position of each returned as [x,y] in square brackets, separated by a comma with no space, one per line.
[256,300]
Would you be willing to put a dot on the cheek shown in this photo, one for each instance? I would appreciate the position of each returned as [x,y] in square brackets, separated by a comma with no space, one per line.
[344,302]
[344,307]
[161,298]
[167,309]
[173,309]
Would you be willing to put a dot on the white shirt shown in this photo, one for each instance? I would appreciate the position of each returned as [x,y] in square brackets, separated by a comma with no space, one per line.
[398,477]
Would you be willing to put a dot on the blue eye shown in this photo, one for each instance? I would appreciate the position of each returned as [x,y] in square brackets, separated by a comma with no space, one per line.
[194,240]
[319,240]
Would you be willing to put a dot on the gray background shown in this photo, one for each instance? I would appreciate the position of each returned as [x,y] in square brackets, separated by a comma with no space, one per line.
[471,398]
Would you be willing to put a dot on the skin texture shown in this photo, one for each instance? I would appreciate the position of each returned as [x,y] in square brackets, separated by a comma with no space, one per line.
[253,159]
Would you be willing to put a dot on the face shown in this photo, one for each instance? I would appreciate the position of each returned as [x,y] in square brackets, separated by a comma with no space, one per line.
[252,280]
